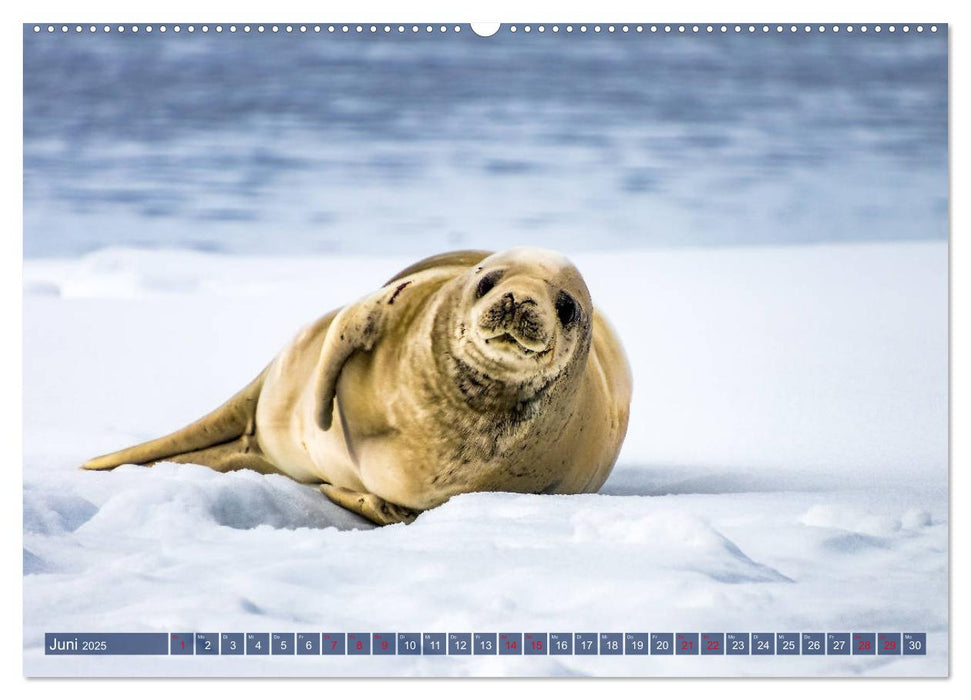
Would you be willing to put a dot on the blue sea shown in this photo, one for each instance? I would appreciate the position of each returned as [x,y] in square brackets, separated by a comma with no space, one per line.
[314,143]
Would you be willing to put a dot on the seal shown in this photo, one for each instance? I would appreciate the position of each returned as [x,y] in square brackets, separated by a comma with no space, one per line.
[467,371]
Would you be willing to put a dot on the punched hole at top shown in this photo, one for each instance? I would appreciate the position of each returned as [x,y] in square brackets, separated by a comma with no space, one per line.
[485,28]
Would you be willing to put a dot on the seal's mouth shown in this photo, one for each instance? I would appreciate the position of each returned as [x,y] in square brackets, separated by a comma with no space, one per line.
[507,340]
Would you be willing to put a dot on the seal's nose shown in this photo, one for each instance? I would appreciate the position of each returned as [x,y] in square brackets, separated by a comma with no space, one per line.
[518,318]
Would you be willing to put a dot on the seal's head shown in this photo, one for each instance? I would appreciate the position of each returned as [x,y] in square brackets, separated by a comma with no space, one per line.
[523,323]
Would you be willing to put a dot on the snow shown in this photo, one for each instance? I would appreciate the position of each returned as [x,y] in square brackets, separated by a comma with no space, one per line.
[785,470]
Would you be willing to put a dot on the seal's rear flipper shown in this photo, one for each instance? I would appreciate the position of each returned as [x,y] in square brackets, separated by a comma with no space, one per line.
[242,453]
[209,441]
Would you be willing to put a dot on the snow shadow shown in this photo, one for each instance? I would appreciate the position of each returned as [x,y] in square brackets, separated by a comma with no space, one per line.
[676,480]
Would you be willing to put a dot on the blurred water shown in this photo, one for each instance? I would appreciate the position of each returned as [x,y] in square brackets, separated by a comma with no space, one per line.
[290,143]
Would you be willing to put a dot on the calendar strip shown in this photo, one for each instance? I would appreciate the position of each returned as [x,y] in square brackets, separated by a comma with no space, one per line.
[487,644]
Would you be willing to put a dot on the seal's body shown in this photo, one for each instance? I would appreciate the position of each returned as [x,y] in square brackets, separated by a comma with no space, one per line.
[466,372]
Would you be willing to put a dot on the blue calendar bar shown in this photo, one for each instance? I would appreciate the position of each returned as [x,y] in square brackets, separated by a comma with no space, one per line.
[488,643]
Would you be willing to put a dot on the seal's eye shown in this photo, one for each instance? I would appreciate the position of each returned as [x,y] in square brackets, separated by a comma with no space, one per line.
[567,309]
[487,282]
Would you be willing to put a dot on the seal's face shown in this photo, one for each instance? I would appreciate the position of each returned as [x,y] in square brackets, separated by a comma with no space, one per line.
[524,321]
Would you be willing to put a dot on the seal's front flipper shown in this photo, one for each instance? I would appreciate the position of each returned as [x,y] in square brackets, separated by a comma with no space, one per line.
[222,428]
[359,326]
[367,505]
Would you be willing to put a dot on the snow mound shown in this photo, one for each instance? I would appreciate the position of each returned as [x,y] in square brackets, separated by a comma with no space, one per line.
[613,527]
[49,511]
[182,499]
[853,520]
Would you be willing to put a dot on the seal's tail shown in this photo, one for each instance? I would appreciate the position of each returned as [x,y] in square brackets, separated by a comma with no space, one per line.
[227,428]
